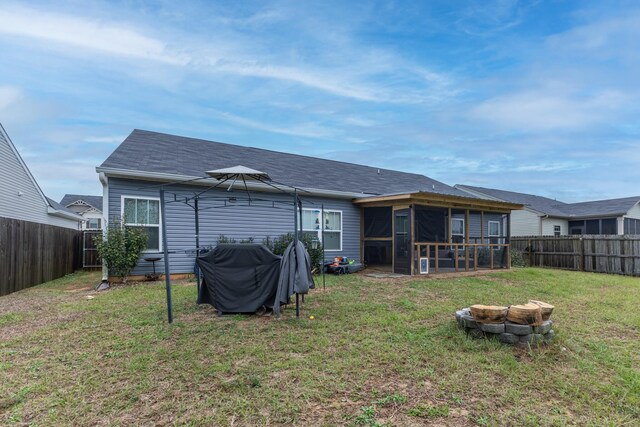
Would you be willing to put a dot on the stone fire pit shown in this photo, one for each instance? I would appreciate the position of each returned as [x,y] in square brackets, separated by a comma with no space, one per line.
[517,324]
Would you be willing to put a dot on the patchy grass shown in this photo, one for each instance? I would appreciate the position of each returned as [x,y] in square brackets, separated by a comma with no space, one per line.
[379,352]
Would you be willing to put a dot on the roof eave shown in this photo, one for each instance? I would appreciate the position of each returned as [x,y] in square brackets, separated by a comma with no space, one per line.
[178,178]
[62,214]
[596,215]
[436,197]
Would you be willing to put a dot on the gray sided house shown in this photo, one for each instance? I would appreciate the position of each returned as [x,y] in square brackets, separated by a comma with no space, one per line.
[20,195]
[542,216]
[381,216]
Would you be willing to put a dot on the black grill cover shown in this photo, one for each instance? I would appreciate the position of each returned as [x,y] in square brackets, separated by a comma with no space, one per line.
[239,278]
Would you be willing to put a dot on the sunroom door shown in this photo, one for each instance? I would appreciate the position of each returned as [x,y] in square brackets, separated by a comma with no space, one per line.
[402,242]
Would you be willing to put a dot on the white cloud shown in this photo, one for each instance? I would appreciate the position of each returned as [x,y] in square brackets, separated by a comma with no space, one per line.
[86,33]
[547,109]
[351,71]
[306,130]
[8,96]
[115,139]
[604,37]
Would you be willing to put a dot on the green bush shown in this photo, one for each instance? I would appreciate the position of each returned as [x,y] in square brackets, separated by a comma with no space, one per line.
[518,259]
[120,248]
[226,239]
[280,243]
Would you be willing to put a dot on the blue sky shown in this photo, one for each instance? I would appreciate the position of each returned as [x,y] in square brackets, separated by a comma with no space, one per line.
[540,97]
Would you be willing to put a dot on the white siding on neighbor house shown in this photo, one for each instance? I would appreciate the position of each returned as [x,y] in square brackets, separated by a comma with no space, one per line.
[91,214]
[238,221]
[548,225]
[15,179]
[634,212]
[524,223]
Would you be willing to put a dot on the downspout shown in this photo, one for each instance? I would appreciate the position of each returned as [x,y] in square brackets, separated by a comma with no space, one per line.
[541,218]
[104,284]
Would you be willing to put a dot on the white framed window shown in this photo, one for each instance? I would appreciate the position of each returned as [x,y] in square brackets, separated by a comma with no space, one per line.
[143,212]
[556,230]
[93,224]
[457,230]
[493,232]
[494,229]
[457,227]
[312,225]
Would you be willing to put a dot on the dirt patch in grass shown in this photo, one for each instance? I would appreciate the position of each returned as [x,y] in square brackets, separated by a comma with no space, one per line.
[28,327]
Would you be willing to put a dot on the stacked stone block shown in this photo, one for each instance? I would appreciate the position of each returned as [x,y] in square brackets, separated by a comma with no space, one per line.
[506,332]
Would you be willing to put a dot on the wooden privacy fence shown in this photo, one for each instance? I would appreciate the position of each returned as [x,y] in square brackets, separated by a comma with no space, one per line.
[32,253]
[617,254]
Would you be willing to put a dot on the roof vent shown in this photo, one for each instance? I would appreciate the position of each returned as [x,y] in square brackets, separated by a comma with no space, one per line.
[378,171]
[433,186]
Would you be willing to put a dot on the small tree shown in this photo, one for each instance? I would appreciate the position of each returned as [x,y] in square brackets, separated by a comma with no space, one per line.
[120,248]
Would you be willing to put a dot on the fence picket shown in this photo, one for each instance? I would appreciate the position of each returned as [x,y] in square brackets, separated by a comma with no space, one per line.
[617,254]
[32,253]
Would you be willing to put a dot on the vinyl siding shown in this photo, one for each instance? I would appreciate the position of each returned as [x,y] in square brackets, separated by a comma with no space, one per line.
[30,206]
[525,223]
[549,223]
[238,221]
[474,223]
[634,212]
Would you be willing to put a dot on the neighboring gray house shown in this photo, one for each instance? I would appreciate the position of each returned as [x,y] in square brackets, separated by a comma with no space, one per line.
[89,207]
[542,216]
[370,213]
[20,195]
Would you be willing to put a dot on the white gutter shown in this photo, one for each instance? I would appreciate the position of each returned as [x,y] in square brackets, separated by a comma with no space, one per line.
[185,179]
[62,214]
[105,217]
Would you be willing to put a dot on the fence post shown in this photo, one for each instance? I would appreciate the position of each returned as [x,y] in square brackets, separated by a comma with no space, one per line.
[582,257]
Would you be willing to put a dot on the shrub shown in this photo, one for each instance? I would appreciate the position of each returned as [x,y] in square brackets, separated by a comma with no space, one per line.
[280,243]
[120,248]
[226,239]
[518,259]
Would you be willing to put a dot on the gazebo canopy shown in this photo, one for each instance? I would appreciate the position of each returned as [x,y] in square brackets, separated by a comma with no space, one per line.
[239,171]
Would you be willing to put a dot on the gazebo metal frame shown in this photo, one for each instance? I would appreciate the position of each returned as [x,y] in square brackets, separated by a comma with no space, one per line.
[233,174]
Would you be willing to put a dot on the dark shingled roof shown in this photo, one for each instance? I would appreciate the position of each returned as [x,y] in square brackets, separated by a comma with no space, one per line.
[94,201]
[158,152]
[559,209]
[57,206]
[601,207]
[538,203]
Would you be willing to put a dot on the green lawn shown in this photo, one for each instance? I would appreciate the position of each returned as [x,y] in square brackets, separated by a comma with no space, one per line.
[378,353]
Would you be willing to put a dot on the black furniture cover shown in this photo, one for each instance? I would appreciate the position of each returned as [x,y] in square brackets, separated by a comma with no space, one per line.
[295,274]
[239,278]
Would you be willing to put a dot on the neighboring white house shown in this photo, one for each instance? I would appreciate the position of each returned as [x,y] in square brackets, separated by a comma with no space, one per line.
[89,207]
[20,195]
[542,216]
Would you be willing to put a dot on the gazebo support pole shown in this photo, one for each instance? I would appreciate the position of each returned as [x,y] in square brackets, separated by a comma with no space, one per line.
[295,240]
[322,238]
[167,275]
[195,205]
[301,228]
